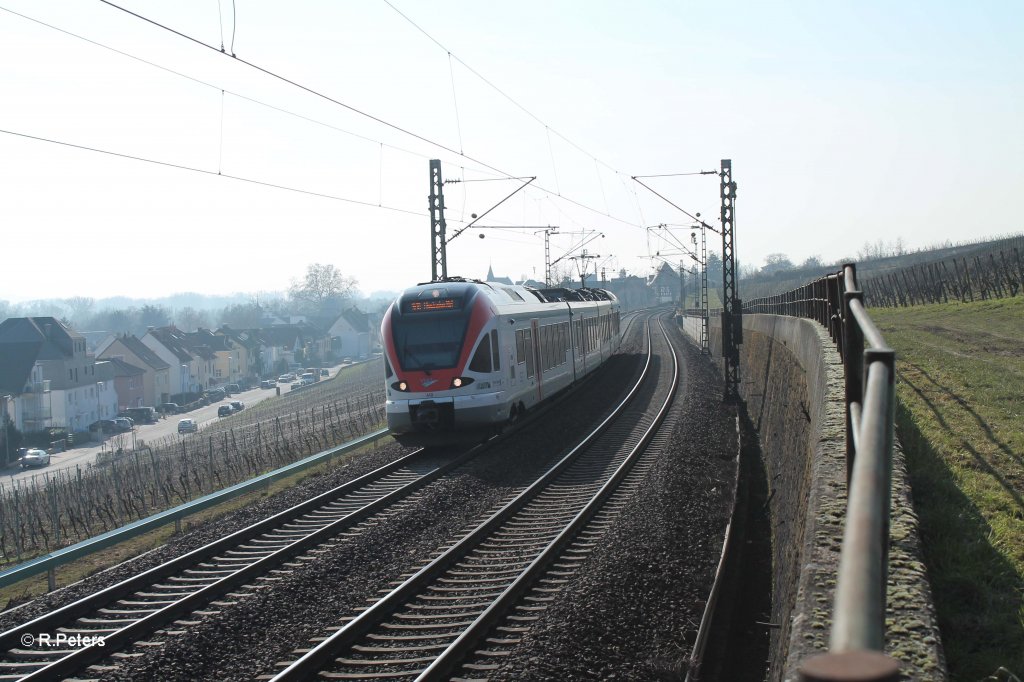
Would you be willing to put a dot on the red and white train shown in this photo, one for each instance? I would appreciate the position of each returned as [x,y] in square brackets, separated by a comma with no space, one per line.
[464,357]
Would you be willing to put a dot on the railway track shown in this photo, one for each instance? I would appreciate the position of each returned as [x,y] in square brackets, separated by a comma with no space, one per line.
[165,600]
[69,639]
[495,576]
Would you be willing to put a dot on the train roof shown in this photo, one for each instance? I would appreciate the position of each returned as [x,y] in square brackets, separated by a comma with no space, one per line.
[508,293]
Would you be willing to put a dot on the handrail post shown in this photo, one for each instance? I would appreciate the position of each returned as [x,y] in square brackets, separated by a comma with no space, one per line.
[853,364]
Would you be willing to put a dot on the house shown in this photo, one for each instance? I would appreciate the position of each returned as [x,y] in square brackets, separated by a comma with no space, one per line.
[352,334]
[250,351]
[227,367]
[664,285]
[301,344]
[128,381]
[195,366]
[632,291]
[50,377]
[158,376]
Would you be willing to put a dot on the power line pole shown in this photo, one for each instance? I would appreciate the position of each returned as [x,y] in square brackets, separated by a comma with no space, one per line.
[732,307]
[439,256]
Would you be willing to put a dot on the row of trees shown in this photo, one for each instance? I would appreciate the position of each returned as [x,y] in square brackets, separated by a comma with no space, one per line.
[323,291]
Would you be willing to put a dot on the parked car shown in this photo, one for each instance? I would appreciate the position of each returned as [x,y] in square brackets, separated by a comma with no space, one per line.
[347,361]
[237,405]
[187,426]
[307,378]
[324,373]
[142,415]
[34,457]
[168,408]
[216,394]
[268,383]
[103,425]
[297,384]
[123,424]
[232,388]
[225,411]
[285,378]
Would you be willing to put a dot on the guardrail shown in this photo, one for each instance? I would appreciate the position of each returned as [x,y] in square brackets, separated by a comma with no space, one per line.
[857,637]
[51,561]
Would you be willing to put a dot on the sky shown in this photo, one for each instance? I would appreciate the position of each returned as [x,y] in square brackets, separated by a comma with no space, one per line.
[139,159]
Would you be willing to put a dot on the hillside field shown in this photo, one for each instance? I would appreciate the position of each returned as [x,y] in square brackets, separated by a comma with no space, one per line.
[960,419]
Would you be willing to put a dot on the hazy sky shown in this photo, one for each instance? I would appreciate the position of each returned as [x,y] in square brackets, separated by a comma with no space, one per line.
[846,122]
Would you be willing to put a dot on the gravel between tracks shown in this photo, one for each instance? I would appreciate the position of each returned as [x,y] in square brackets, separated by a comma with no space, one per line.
[632,610]
[265,628]
[204,533]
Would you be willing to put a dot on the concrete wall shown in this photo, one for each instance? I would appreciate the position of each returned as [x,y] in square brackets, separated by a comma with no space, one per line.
[792,384]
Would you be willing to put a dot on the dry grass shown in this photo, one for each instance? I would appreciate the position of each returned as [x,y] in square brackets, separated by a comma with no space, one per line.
[961,420]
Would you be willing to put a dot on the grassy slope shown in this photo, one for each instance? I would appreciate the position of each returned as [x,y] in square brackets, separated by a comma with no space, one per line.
[961,421]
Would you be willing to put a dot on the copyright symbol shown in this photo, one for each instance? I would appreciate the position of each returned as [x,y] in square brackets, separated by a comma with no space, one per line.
[27,640]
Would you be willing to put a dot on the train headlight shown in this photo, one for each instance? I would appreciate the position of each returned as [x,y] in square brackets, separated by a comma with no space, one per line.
[400,386]
[459,382]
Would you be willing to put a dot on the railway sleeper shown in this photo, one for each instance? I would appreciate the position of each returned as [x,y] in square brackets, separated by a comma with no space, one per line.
[439,607]
[472,581]
[377,637]
[357,662]
[432,626]
[145,604]
[23,668]
[397,649]
[440,615]
[483,572]
[140,613]
[19,655]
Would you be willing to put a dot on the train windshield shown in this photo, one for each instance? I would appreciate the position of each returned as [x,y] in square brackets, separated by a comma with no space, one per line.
[429,341]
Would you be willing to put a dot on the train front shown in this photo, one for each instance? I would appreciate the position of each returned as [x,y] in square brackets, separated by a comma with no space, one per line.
[435,390]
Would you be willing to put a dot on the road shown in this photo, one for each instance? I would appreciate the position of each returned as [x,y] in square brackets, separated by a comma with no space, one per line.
[143,432]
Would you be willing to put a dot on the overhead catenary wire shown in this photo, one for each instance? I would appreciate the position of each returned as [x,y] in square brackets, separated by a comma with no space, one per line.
[356,110]
[178,166]
[232,93]
[495,87]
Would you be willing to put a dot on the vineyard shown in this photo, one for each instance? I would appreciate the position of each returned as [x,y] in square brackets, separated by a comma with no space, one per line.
[997,274]
[70,505]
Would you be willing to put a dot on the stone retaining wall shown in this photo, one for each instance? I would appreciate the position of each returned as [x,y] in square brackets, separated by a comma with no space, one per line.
[792,383]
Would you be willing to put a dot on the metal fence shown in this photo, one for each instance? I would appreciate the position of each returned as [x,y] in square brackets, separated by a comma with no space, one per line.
[857,637]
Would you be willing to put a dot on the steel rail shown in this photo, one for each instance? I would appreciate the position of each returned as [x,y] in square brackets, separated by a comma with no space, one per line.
[449,659]
[316,658]
[82,657]
[102,541]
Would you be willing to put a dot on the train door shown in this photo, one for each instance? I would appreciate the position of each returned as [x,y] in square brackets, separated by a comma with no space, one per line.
[534,366]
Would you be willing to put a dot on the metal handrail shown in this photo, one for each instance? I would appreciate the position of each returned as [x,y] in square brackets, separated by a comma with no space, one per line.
[857,637]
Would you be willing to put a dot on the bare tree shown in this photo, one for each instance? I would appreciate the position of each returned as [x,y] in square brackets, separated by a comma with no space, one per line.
[81,309]
[241,315]
[190,319]
[322,288]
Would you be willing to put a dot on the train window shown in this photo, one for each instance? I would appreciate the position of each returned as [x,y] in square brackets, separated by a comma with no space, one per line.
[531,352]
[425,342]
[481,361]
[520,346]
[513,294]
[495,350]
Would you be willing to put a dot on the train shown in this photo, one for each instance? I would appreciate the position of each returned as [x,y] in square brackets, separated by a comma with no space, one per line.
[464,358]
